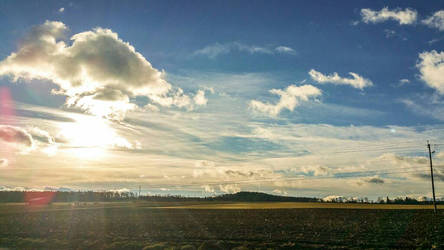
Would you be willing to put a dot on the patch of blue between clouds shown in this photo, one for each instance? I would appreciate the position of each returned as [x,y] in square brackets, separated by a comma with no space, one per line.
[235,144]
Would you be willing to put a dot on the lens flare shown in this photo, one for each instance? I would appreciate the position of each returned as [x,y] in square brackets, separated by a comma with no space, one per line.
[33,199]
[7,112]
[7,116]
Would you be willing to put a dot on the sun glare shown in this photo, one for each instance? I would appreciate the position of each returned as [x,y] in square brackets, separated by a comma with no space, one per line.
[91,137]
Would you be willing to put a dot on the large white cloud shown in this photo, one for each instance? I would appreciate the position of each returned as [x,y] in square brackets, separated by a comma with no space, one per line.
[406,16]
[431,67]
[436,20]
[98,72]
[289,99]
[356,81]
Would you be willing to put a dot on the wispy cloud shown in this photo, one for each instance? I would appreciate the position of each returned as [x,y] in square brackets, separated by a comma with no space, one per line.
[285,50]
[356,81]
[425,106]
[403,82]
[214,50]
[406,16]
[435,40]
[389,33]
[195,164]
[435,21]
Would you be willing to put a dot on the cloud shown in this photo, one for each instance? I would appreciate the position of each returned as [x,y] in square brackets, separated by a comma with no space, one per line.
[437,175]
[28,139]
[214,50]
[424,107]
[395,159]
[335,198]
[435,21]
[237,173]
[389,33]
[162,130]
[151,107]
[200,98]
[58,189]
[373,180]
[121,190]
[4,162]
[230,188]
[17,136]
[208,188]
[435,40]
[223,173]
[41,135]
[285,50]
[98,71]
[289,99]
[61,10]
[354,23]
[431,68]
[356,81]
[204,163]
[175,98]
[280,192]
[12,188]
[44,138]
[406,16]
[317,170]
[403,81]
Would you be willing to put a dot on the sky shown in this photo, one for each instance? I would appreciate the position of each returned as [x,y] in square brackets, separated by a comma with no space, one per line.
[199,98]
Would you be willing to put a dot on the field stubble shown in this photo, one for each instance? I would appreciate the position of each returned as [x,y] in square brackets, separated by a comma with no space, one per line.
[138,226]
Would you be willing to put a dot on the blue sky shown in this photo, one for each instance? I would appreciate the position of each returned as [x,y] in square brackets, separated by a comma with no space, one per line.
[264,89]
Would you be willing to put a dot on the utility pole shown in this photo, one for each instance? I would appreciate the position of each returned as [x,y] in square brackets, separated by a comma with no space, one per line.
[431,174]
[139,193]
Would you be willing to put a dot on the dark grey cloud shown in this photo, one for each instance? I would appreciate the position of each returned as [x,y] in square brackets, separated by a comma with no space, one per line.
[437,175]
[375,180]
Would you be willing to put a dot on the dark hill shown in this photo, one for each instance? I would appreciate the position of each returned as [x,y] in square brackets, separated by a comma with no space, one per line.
[256,196]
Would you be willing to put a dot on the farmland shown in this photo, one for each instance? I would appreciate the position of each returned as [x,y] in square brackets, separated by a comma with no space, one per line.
[194,225]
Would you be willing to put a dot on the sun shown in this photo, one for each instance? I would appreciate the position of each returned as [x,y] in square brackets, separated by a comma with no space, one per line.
[90,137]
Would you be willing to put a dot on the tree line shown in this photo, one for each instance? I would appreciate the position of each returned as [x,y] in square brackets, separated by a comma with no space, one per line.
[109,196]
